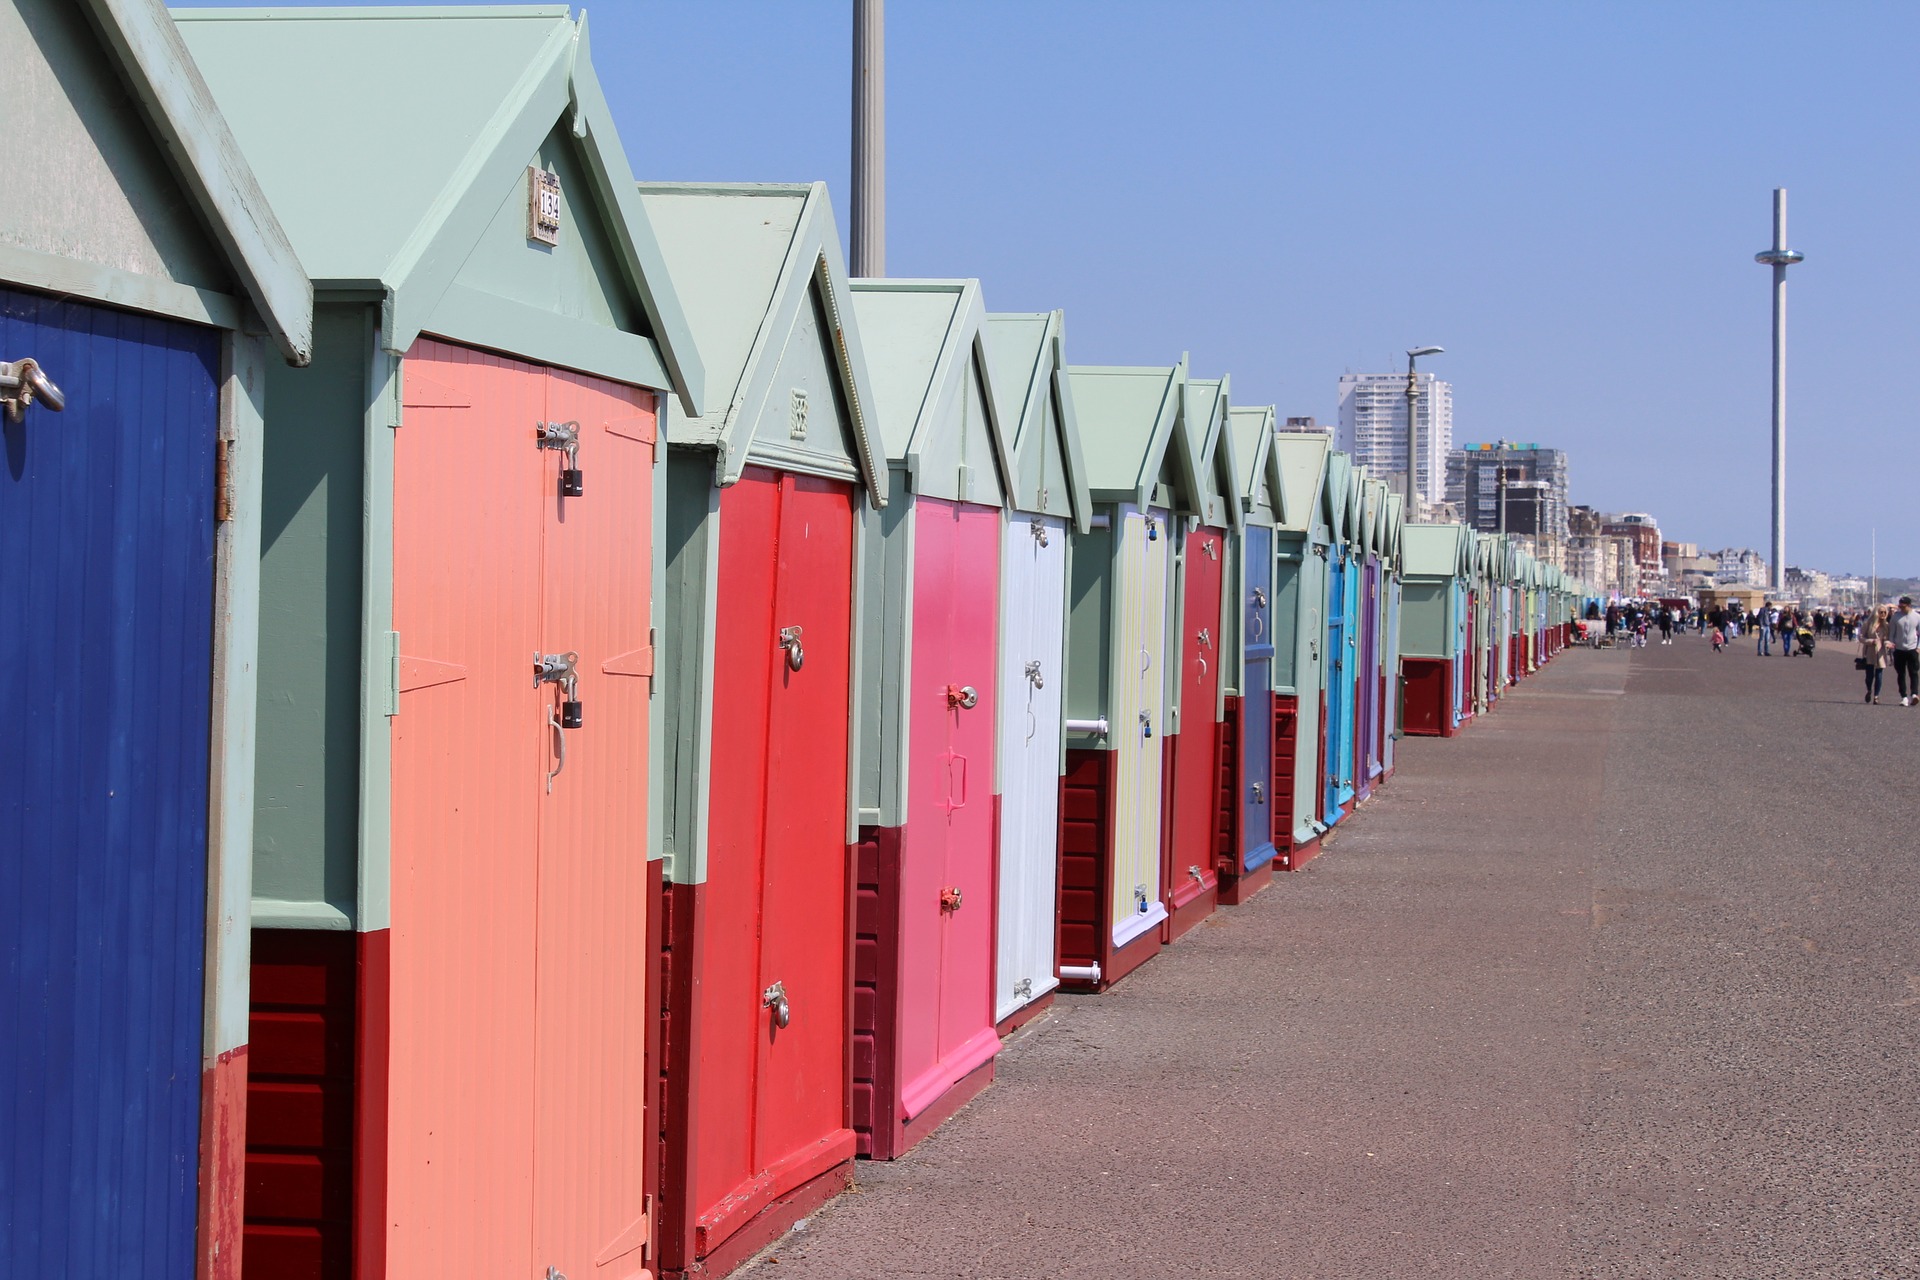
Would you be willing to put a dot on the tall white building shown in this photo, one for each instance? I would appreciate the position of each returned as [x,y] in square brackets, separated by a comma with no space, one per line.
[1373,427]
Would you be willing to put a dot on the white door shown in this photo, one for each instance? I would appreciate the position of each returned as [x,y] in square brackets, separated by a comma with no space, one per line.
[1139,720]
[1033,586]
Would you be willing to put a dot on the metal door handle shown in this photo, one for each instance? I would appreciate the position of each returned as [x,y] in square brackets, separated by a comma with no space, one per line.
[790,641]
[951,899]
[560,743]
[963,696]
[775,998]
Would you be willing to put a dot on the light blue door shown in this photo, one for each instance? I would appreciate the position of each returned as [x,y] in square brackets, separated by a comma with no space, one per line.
[1257,801]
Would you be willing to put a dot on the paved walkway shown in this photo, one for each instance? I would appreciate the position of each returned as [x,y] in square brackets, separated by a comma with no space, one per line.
[1624,982]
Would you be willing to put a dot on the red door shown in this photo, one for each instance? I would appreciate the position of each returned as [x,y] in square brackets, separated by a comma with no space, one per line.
[770,1101]
[1190,887]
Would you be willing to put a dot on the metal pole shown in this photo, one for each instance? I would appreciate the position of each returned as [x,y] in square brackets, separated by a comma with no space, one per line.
[868,235]
[1500,506]
[1779,257]
[1413,443]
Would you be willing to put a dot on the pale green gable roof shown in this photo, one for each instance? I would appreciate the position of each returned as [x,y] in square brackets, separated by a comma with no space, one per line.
[1128,417]
[1433,551]
[1205,418]
[1033,396]
[923,338]
[387,138]
[1257,467]
[1302,458]
[745,259]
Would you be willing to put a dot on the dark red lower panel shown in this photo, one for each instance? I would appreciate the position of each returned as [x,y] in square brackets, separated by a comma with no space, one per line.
[1023,1015]
[1427,697]
[300,1106]
[1243,886]
[772,1223]
[373,1055]
[876,954]
[1086,859]
[679,1081]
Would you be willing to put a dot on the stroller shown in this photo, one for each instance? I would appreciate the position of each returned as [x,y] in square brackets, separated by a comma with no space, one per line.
[1805,636]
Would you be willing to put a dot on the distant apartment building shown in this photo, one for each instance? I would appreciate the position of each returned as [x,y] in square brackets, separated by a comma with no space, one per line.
[1305,426]
[1643,532]
[1532,480]
[1373,427]
[1686,568]
[1605,564]
[1811,586]
[1741,567]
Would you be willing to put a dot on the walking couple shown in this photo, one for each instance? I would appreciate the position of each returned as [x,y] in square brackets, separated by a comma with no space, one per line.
[1892,637]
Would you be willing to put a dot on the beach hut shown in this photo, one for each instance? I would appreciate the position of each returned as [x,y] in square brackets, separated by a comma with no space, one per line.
[1392,614]
[1139,467]
[145,289]
[924,1039]
[1046,503]
[765,493]
[452,935]
[1302,536]
[1436,568]
[1338,754]
[1207,525]
[1252,732]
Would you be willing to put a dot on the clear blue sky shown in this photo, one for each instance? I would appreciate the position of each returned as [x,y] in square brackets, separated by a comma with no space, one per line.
[1566,196]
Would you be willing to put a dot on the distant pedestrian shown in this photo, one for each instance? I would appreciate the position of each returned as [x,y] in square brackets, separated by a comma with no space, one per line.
[1784,623]
[1666,625]
[1763,631]
[1873,652]
[1903,633]
[1719,640]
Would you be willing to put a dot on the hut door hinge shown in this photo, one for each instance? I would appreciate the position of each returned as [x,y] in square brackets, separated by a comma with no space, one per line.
[222,481]
[393,673]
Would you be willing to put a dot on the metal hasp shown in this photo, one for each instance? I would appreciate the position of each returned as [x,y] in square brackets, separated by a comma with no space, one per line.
[963,696]
[1034,677]
[565,438]
[559,669]
[790,641]
[1779,257]
[1039,529]
[951,899]
[775,998]
[24,381]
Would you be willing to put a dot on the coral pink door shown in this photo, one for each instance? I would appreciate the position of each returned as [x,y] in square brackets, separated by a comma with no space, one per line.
[1196,781]
[516,1134]
[947,848]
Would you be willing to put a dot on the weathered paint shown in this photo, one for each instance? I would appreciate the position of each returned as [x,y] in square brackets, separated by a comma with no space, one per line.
[1032,647]
[106,778]
[518,992]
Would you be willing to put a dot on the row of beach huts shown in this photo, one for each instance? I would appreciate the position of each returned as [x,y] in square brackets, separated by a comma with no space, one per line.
[540,719]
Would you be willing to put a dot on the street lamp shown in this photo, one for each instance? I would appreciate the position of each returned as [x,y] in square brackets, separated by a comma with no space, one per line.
[1413,432]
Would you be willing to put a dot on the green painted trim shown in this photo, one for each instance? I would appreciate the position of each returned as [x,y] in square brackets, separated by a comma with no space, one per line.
[236,691]
[430,258]
[469,316]
[180,110]
[374,908]
[856,668]
[272,913]
[32,269]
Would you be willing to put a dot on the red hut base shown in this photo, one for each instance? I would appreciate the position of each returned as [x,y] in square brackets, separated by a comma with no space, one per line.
[1023,1015]
[1237,884]
[1086,877]
[1427,695]
[1190,898]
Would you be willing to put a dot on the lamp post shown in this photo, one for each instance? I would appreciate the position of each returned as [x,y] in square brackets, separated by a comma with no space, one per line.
[1413,432]
[1779,257]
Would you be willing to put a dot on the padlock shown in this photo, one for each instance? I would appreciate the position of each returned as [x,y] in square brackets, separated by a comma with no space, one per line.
[570,714]
[573,483]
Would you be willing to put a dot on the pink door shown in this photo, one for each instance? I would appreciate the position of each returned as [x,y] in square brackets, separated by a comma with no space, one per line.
[517,1132]
[947,848]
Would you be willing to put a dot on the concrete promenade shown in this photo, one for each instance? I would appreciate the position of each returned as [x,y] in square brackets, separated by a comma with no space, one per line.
[1623,982]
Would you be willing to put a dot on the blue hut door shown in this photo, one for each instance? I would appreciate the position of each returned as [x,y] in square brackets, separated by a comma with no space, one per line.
[1339,686]
[106,655]
[1256,702]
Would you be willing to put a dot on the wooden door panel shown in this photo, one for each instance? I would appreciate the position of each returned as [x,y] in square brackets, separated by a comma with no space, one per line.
[467,770]
[801,1107]
[1196,765]
[591,1137]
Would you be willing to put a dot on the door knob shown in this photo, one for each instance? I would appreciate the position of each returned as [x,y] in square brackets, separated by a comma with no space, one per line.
[790,641]
[964,696]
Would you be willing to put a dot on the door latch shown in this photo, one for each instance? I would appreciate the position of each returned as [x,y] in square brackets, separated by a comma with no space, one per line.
[22,382]
[1140,902]
[775,998]
[560,669]
[950,899]
[1259,793]
[1207,546]
[1206,637]
[1039,527]
[1034,677]
[1146,724]
[565,438]
[790,641]
[1023,989]
[1198,877]
[1259,597]
[1153,529]
[963,696]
